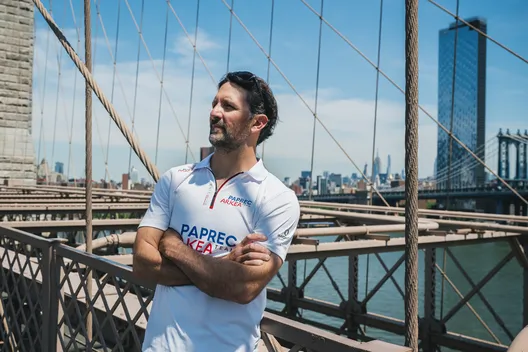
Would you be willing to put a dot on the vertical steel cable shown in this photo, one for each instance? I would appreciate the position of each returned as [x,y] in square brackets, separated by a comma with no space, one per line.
[269,56]
[140,33]
[113,83]
[59,76]
[41,132]
[411,179]
[96,117]
[450,155]
[376,100]
[310,193]
[230,31]
[30,122]
[161,84]
[88,166]
[192,81]
[77,30]
[374,128]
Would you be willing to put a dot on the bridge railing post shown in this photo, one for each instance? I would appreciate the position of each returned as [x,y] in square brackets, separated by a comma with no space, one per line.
[50,293]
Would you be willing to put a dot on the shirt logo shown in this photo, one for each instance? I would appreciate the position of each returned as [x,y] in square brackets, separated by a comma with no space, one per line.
[187,169]
[236,201]
[205,240]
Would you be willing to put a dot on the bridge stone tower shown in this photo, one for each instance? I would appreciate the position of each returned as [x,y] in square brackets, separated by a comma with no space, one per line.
[17,155]
[520,142]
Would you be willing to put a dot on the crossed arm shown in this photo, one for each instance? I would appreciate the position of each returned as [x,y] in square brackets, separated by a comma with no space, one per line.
[163,258]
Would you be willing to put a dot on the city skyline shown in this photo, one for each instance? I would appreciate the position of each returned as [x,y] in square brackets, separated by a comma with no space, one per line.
[346,89]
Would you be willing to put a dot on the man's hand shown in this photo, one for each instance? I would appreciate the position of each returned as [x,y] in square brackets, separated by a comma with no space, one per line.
[169,243]
[150,265]
[249,252]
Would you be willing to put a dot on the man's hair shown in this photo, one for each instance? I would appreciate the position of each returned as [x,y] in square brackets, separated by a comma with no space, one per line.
[260,98]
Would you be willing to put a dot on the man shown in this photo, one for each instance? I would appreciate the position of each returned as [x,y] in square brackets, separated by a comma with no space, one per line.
[216,232]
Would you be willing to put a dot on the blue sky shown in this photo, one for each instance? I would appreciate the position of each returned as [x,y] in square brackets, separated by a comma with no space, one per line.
[346,82]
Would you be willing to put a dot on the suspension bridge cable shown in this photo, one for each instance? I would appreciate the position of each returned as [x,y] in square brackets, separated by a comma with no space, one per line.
[190,42]
[229,37]
[156,71]
[452,112]
[302,99]
[467,168]
[114,69]
[43,96]
[310,193]
[464,163]
[481,150]
[140,34]
[5,137]
[30,122]
[464,170]
[464,160]
[441,126]
[192,80]
[380,31]
[269,52]
[96,116]
[479,31]
[88,161]
[97,90]
[67,125]
[376,98]
[411,179]
[104,152]
[59,76]
[161,83]
[74,92]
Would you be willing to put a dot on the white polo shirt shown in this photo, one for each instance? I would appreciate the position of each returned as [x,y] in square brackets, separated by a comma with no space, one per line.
[212,221]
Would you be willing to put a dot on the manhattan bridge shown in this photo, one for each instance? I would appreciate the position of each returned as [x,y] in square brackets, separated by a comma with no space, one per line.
[94,94]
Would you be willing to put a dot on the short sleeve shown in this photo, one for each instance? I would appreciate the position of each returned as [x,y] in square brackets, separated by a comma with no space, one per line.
[278,219]
[158,213]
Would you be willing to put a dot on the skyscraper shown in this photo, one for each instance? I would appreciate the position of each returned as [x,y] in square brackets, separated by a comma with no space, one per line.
[377,167]
[134,175]
[465,114]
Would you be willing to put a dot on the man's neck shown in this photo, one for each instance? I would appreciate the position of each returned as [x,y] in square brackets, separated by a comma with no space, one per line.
[226,164]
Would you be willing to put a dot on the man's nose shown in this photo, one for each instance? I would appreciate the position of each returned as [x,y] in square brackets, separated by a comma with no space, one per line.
[215,113]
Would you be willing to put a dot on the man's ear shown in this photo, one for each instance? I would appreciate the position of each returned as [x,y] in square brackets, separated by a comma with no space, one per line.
[259,122]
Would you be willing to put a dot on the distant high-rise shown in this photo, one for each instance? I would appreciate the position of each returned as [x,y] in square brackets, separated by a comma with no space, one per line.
[59,167]
[377,167]
[134,175]
[466,116]
[388,165]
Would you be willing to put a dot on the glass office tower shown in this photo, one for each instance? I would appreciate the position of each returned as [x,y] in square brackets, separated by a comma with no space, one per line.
[468,111]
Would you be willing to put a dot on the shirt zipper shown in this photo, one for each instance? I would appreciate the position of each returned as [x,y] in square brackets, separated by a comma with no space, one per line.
[219,188]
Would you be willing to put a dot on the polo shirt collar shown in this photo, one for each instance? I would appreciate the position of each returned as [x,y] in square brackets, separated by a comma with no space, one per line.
[258,172]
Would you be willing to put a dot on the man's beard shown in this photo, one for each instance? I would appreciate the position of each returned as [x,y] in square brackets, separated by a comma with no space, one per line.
[228,140]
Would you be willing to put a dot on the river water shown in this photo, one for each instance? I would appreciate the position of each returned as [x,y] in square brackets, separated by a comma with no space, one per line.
[503,291]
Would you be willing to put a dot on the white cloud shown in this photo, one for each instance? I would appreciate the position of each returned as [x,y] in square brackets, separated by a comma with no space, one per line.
[183,46]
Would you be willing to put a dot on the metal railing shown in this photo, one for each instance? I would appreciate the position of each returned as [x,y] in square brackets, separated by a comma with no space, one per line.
[46,300]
